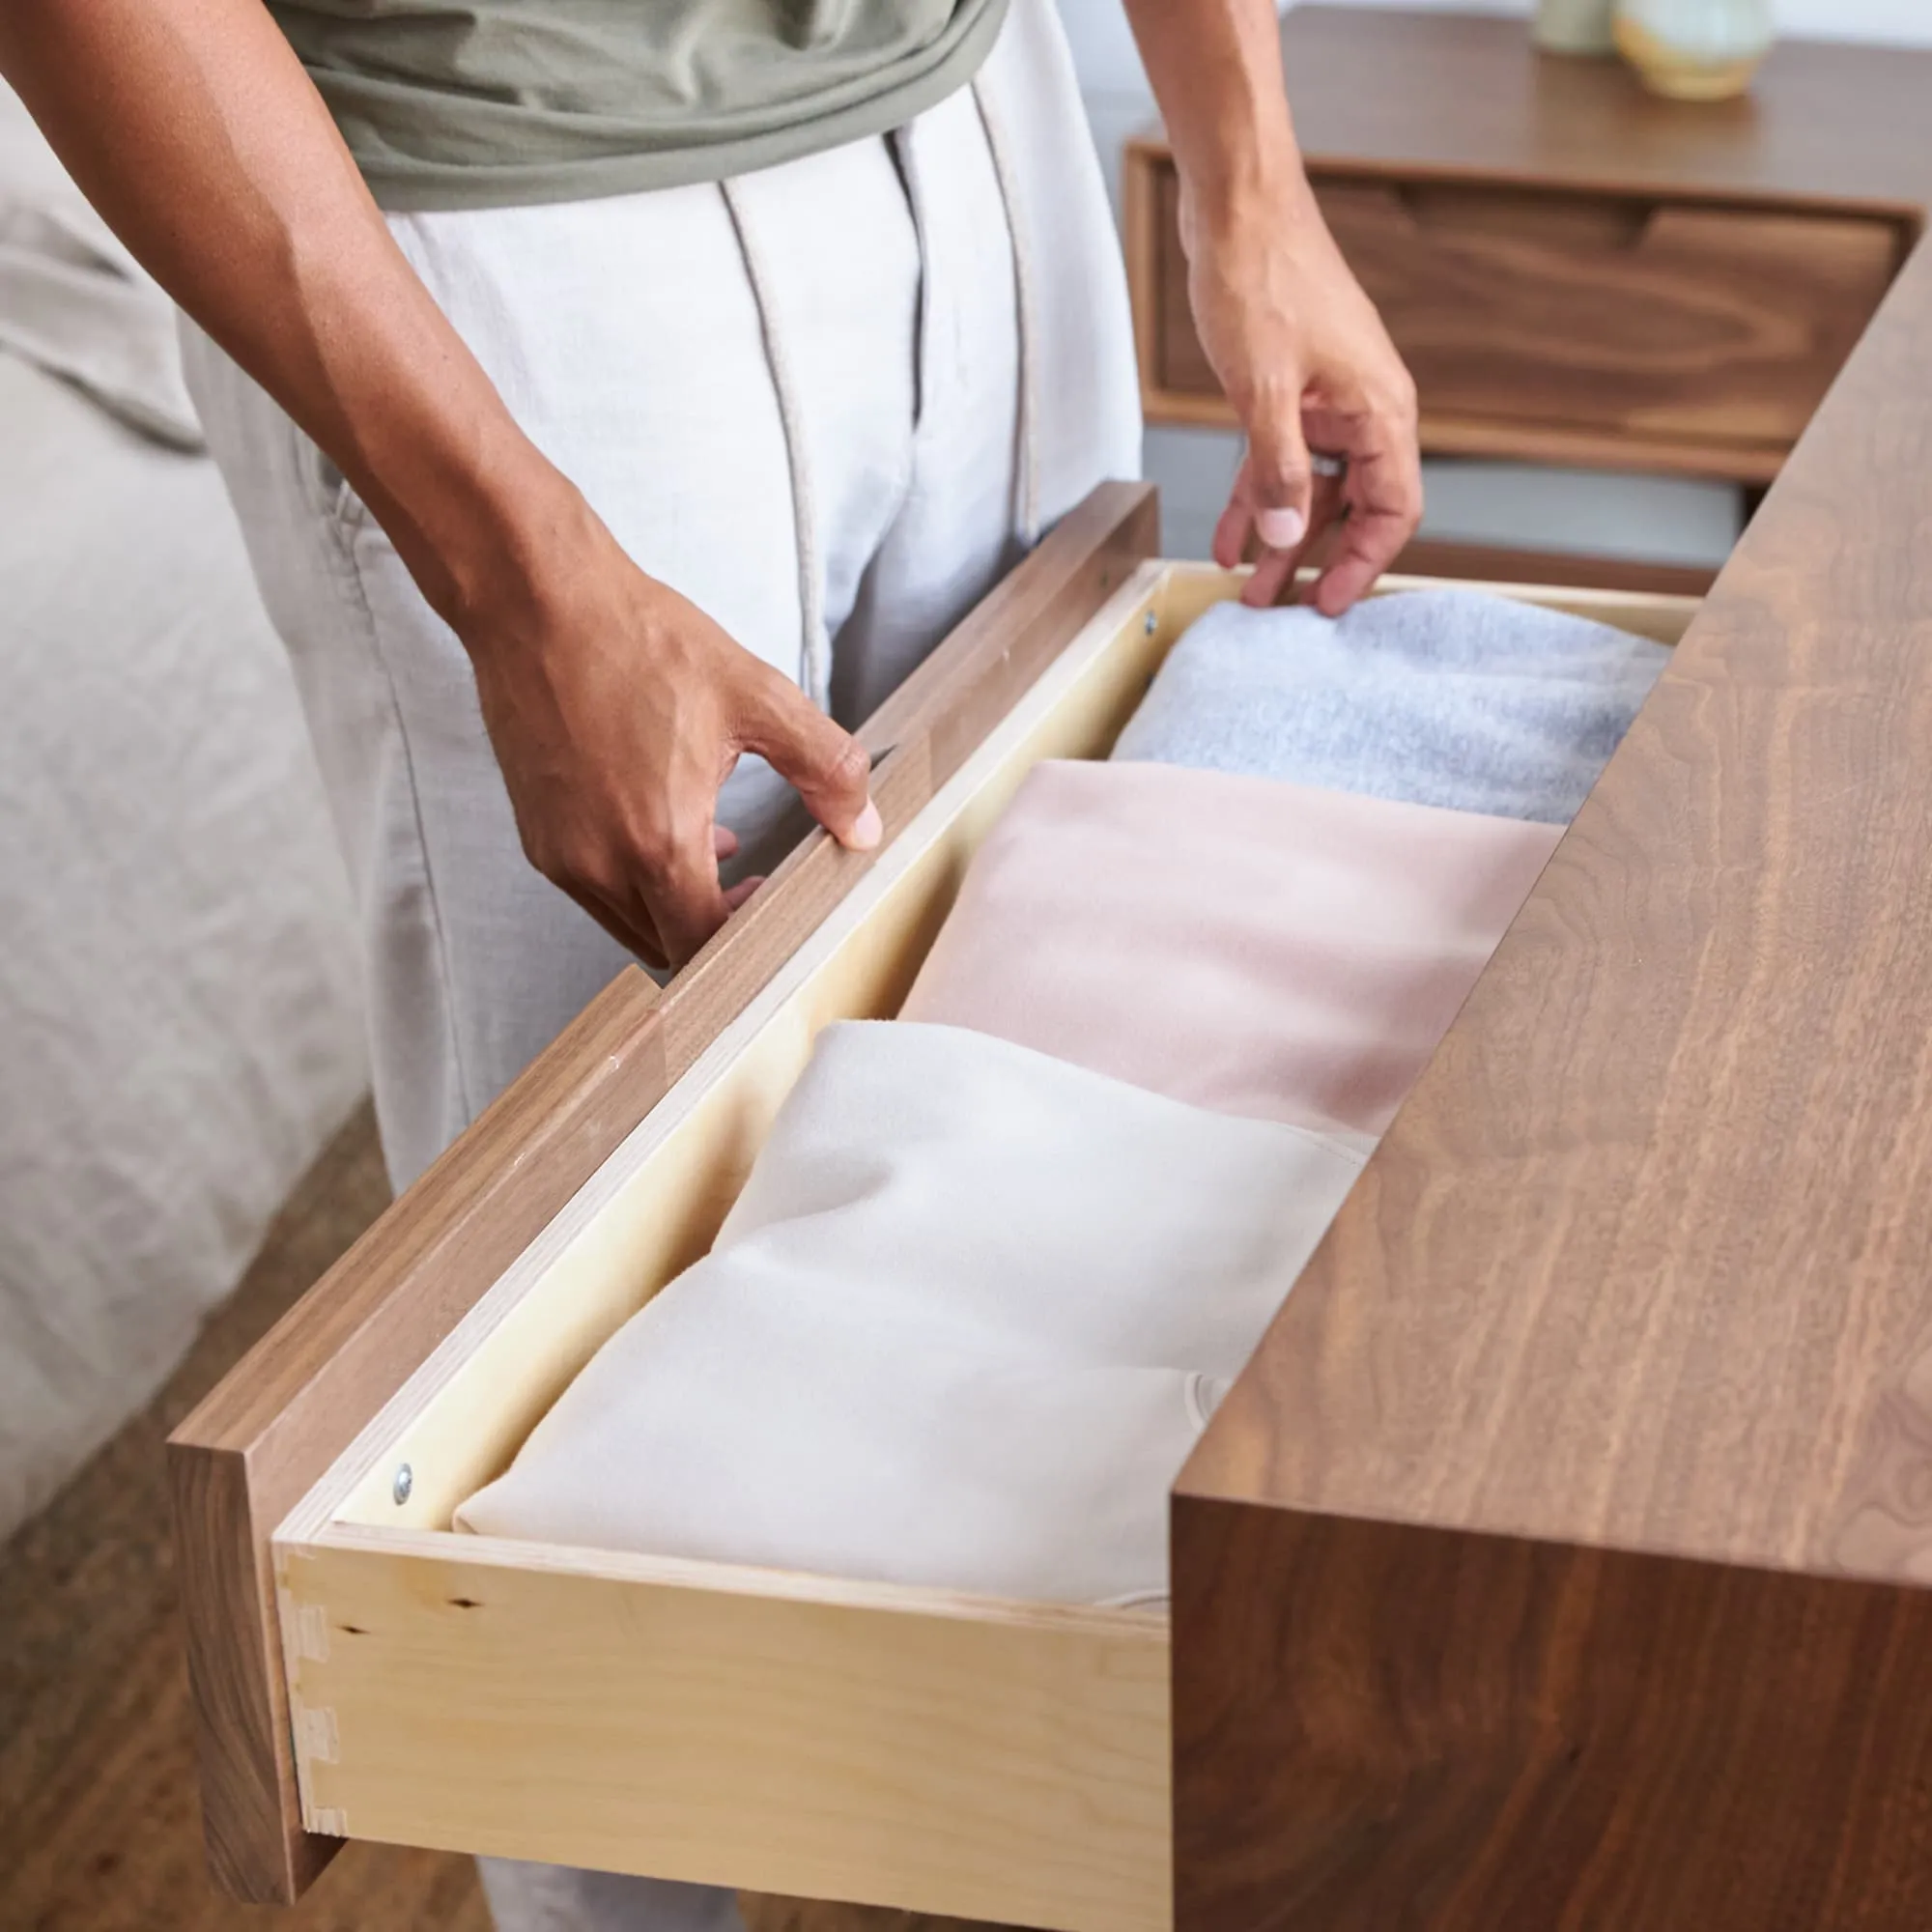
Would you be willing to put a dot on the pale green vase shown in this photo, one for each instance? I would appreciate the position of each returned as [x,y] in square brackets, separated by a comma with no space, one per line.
[1576,26]
[1694,49]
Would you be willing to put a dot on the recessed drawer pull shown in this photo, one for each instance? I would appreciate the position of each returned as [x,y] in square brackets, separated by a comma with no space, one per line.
[1617,329]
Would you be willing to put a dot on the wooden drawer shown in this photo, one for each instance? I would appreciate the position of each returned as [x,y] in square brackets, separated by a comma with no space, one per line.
[783,1732]
[1563,325]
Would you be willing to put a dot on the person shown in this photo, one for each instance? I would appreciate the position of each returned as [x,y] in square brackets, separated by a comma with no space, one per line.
[619,399]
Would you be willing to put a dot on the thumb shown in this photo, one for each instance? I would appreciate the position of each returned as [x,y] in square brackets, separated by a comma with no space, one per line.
[1280,478]
[827,766]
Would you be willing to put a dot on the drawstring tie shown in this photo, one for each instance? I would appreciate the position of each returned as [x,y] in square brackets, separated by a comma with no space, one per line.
[1005,173]
[814,668]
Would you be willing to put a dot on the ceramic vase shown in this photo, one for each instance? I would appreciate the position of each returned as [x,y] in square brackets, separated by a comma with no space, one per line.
[1576,26]
[1694,49]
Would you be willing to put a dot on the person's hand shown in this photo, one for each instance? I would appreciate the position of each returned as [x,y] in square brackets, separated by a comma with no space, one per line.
[616,709]
[1306,362]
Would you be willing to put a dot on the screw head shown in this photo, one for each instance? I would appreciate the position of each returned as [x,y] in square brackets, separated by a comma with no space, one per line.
[406,1481]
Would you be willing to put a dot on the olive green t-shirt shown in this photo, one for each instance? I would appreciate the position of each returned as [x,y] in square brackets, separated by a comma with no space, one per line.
[478,103]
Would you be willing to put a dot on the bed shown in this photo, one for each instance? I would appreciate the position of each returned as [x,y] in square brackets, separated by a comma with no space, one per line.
[180,1016]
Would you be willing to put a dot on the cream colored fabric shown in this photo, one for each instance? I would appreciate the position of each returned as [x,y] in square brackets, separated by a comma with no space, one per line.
[960,1329]
[1239,942]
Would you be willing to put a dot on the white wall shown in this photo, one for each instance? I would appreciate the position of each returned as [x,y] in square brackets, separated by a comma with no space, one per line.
[1896,22]
[1104,50]
[1577,510]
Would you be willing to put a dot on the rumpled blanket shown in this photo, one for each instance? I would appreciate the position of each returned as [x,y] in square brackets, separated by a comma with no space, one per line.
[75,303]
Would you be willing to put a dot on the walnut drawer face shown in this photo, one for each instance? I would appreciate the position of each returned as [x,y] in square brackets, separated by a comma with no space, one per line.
[1682,335]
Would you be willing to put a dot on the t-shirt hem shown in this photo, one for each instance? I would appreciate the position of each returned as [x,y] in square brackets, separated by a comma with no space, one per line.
[446,187]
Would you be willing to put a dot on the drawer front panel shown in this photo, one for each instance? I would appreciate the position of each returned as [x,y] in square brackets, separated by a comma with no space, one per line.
[993,1763]
[1703,333]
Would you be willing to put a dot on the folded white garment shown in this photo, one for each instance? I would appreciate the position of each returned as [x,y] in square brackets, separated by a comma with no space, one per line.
[961,1328]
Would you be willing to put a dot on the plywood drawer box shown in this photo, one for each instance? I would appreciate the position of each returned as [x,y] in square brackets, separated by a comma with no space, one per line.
[781,1732]
[1669,333]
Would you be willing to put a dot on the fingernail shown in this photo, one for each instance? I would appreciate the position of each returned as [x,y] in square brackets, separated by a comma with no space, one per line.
[867,829]
[1281,530]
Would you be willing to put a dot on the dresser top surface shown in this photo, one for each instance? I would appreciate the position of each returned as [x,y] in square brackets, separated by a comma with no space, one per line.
[1643,1262]
[1466,94]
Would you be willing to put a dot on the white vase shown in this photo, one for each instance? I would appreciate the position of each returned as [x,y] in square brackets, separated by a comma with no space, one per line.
[1694,49]
[1576,26]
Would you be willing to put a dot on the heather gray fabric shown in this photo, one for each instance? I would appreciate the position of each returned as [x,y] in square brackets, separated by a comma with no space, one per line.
[491,103]
[1445,698]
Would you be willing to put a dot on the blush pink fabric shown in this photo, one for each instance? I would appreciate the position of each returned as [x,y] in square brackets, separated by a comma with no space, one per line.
[1244,943]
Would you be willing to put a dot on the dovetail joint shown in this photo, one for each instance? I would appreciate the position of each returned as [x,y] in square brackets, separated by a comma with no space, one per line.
[317,1740]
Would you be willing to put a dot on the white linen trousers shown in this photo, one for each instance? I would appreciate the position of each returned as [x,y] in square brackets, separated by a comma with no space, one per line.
[830,403]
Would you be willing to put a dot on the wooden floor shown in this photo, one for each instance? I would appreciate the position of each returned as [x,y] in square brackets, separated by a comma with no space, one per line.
[99,1827]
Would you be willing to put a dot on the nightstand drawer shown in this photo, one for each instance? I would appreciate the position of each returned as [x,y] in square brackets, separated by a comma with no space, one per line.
[1631,331]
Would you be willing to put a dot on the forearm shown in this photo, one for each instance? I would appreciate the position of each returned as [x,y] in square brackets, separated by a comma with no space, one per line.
[1298,349]
[193,129]
[1215,67]
[615,708]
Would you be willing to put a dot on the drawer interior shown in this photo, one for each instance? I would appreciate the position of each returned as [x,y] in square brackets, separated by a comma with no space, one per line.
[782,1732]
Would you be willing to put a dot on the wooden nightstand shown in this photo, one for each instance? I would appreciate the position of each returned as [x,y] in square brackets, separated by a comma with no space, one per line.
[1577,272]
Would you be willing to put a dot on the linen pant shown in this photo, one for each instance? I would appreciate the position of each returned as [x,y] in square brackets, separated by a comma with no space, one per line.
[829,403]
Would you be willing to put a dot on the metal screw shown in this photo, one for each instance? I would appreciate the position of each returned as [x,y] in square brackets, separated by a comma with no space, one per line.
[1149,624]
[406,1481]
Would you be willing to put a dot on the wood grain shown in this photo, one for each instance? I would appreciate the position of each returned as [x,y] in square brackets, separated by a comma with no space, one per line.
[1565,326]
[1622,1343]
[273,1426]
[689,1764]
[1006,1762]
[1577,272]
[1430,556]
[1710,328]
[898,1745]
[1453,94]
[1380,1726]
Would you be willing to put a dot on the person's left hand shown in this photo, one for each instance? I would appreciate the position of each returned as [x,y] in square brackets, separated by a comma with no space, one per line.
[1306,362]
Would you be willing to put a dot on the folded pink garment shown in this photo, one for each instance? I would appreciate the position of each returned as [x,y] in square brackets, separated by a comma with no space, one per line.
[1240,943]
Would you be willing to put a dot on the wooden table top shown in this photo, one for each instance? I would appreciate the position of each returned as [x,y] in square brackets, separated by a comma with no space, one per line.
[1473,96]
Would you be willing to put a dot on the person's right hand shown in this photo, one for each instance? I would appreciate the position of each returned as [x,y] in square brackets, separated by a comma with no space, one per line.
[616,709]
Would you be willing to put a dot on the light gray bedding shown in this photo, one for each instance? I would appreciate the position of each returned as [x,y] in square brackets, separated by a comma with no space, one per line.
[180,1024]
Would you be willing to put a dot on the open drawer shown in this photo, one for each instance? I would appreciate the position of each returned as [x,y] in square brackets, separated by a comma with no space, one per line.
[774,1731]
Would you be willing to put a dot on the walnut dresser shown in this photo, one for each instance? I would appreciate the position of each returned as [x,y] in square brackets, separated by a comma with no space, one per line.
[1578,272]
[1563,1556]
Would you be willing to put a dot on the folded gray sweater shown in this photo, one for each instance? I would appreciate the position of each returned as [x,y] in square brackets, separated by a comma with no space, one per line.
[1444,697]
